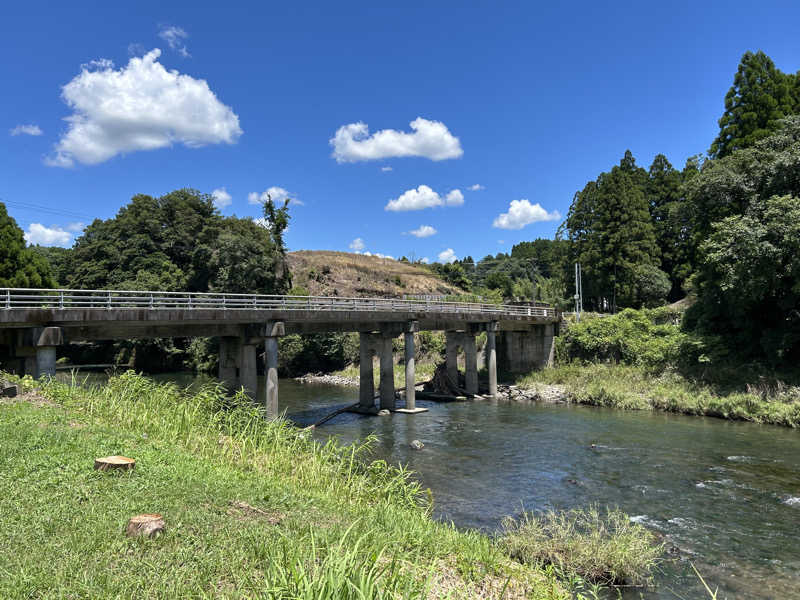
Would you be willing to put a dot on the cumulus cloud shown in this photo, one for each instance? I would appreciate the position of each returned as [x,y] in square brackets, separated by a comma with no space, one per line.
[424,260]
[175,38]
[278,195]
[357,245]
[422,197]
[386,169]
[423,231]
[454,198]
[26,130]
[430,139]
[47,236]
[378,255]
[476,187]
[221,197]
[76,227]
[447,256]
[141,106]
[521,213]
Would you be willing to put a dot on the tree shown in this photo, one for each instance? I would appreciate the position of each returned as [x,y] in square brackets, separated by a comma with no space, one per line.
[760,96]
[611,233]
[276,221]
[20,266]
[749,288]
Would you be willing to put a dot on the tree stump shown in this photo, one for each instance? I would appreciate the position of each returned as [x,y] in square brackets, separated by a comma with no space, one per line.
[110,463]
[147,525]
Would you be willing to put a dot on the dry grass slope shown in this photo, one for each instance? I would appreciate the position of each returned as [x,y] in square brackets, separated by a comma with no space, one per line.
[328,273]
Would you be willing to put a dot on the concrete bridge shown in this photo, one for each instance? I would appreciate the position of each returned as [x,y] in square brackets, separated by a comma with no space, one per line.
[34,323]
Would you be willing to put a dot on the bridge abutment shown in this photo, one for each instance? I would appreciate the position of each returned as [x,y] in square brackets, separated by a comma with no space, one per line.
[524,351]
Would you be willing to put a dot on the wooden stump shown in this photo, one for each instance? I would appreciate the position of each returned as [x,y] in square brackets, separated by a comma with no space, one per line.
[147,525]
[109,463]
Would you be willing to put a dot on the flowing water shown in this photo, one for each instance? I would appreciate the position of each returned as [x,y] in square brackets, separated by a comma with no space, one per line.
[725,495]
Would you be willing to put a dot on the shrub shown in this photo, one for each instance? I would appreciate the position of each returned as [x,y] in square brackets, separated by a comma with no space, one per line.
[601,547]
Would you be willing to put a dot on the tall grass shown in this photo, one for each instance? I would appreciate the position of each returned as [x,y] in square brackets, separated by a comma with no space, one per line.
[600,546]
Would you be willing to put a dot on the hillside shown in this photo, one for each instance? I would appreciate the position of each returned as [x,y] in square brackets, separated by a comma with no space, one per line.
[327,273]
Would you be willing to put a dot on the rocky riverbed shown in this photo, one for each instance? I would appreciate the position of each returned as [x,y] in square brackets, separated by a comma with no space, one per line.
[327,379]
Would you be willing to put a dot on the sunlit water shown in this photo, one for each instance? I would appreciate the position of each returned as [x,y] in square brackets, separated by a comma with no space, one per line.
[725,494]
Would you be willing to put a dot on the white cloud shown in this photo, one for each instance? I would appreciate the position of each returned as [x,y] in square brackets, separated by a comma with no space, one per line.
[423,231]
[447,256]
[75,227]
[430,139]
[454,198]
[386,169]
[476,188]
[26,130]
[357,245]
[425,260]
[175,36]
[141,106]
[221,197]
[521,213]
[47,236]
[278,195]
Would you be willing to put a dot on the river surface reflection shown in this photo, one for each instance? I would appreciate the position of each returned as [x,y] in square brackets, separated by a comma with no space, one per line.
[726,494]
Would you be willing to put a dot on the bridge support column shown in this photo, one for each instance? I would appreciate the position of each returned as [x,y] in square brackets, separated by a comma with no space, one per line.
[470,363]
[248,373]
[228,361]
[452,339]
[366,384]
[45,341]
[491,357]
[387,372]
[275,330]
[411,394]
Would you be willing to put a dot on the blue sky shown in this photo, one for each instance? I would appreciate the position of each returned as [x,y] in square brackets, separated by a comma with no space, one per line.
[526,100]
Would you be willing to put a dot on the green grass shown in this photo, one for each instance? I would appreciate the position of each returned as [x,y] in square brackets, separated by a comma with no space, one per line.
[254,509]
[639,388]
[604,547]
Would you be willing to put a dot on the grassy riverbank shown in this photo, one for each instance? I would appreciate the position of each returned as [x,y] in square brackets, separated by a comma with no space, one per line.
[253,508]
[634,387]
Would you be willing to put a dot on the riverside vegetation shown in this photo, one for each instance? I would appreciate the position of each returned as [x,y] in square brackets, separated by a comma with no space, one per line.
[253,508]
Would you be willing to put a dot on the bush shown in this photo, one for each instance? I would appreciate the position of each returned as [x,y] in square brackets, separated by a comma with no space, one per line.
[647,337]
[606,548]
[326,352]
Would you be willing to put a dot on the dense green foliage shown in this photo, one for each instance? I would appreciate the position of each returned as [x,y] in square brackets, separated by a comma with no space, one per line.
[180,242]
[20,266]
[758,99]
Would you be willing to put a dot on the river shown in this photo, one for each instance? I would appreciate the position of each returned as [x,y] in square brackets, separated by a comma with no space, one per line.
[725,494]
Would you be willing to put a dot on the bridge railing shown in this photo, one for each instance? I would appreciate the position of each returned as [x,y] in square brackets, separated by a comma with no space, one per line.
[30,298]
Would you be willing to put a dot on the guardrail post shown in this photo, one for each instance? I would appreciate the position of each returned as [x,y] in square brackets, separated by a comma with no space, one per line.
[108,301]
[61,300]
[8,298]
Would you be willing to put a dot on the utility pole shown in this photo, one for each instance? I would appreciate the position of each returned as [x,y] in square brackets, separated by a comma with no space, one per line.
[578,292]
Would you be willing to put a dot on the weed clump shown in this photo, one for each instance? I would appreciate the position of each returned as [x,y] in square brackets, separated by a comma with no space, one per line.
[600,546]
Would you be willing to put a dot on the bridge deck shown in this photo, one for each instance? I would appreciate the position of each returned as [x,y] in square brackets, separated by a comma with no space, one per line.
[110,314]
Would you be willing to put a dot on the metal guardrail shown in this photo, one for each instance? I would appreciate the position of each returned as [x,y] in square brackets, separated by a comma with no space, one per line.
[29,298]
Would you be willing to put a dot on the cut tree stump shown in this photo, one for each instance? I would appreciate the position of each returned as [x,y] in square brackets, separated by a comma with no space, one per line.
[110,463]
[147,525]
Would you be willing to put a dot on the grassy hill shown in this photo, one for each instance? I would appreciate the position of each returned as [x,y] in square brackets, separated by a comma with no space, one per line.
[328,273]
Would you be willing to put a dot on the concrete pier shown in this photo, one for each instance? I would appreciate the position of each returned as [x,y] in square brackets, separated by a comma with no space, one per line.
[523,351]
[470,363]
[45,361]
[271,375]
[491,357]
[248,371]
[366,383]
[452,341]
[228,362]
[411,393]
[386,384]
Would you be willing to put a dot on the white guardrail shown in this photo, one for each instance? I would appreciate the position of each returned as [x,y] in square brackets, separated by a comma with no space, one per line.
[28,298]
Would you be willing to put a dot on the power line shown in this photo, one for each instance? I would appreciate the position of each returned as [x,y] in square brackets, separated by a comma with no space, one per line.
[45,209]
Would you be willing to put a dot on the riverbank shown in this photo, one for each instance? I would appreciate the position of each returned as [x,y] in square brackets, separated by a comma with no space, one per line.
[632,387]
[249,505]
